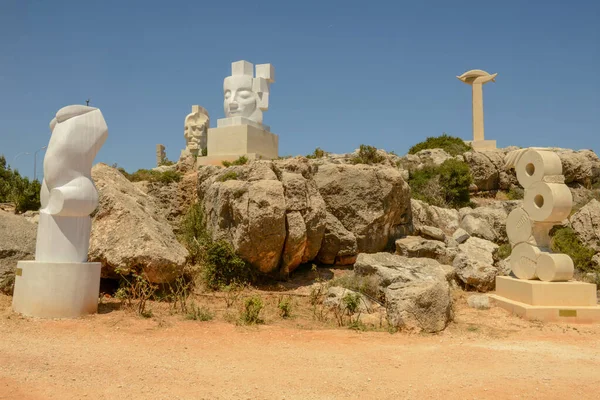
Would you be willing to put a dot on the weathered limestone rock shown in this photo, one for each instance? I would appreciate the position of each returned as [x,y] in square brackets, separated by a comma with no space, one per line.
[479,301]
[474,264]
[433,156]
[251,215]
[460,235]
[581,166]
[373,202]
[586,223]
[432,232]
[488,222]
[416,289]
[415,246]
[485,168]
[295,242]
[339,245]
[17,242]
[130,232]
[445,219]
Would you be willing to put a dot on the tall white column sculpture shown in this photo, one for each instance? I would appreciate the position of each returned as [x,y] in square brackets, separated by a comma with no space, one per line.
[60,283]
[477,78]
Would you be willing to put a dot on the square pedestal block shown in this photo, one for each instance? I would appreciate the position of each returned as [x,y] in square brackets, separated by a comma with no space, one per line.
[240,140]
[482,145]
[548,301]
[56,290]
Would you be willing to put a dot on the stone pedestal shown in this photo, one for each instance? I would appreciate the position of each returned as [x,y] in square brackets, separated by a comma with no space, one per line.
[56,289]
[483,145]
[548,301]
[228,143]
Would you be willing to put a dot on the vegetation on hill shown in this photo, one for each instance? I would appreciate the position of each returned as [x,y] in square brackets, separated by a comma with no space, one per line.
[19,190]
[318,153]
[242,160]
[446,185]
[367,155]
[452,145]
[565,241]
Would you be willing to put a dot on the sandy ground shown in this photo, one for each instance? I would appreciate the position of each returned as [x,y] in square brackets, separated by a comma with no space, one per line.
[118,355]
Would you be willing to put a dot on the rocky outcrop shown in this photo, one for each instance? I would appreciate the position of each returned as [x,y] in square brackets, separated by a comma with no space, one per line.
[415,246]
[283,213]
[417,290]
[579,167]
[446,219]
[586,224]
[474,264]
[488,222]
[17,242]
[372,202]
[130,232]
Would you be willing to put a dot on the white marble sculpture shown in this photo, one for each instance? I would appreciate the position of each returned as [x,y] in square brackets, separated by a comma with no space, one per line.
[547,202]
[60,282]
[195,131]
[246,95]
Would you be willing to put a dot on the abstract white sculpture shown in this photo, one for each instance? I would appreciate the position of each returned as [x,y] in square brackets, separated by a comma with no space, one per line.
[60,283]
[195,131]
[548,201]
[477,78]
[247,96]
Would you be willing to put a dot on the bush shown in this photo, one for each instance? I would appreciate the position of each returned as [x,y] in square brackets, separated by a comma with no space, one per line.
[318,153]
[251,312]
[515,193]
[285,306]
[240,161]
[443,185]
[452,145]
[221,266]
[197,313]
[367,155]
[20,191]
[565,241]
[150,175]
[504,251]
[228,176]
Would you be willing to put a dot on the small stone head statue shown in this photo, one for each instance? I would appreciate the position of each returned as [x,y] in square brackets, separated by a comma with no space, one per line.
[195,129]
[246,95]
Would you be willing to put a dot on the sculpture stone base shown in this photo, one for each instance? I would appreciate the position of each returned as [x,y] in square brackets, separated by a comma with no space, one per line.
[483,145]
[231,142]
[56,290]
[548,301]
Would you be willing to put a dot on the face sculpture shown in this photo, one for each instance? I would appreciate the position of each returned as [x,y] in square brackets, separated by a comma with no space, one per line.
[195,127]
[240,98]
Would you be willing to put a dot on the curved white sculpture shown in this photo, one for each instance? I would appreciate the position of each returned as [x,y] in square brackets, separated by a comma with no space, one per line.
[547,202]
[245,95]
[60,283]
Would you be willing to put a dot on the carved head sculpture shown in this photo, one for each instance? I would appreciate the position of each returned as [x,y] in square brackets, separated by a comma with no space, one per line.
[245,95]
[195,128]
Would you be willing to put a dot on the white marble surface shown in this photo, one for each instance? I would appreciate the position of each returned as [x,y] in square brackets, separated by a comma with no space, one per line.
[246,95]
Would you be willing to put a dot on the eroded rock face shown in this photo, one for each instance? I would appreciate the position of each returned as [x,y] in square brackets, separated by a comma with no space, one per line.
[129,231]
[581,166]
[282,213]
[373,202]
[415,246]
[586,223]
[417,290]
[423,214]
[474,264]
[17,242]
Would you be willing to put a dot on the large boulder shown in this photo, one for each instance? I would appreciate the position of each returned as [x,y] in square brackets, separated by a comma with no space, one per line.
[581,166]
[130,232]
[586,223]
[487,169]
[373,202]
[416,246]
[423,214]
[417,290]
[474,264]
[17,243]
[488,222]
[339,244]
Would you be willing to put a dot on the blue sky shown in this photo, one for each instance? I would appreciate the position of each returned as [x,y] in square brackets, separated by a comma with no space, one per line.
[347,72]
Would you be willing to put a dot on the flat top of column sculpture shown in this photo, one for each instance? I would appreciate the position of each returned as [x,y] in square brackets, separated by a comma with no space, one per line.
[477,76]
[246,94]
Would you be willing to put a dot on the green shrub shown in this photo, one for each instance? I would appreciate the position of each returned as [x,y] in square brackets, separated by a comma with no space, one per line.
[515,193]
[452,145]
[197,313]
[443,185]
[251,312]
[285,306]
[193,233]
[228,176]
[223,267]
[565,241]
[20,191]
[367,155]
[504,251]
[351,302]
[318,153]
[150,175]
[240,161]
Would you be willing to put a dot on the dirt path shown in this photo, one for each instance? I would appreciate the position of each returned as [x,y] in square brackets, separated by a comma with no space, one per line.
[119,356]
